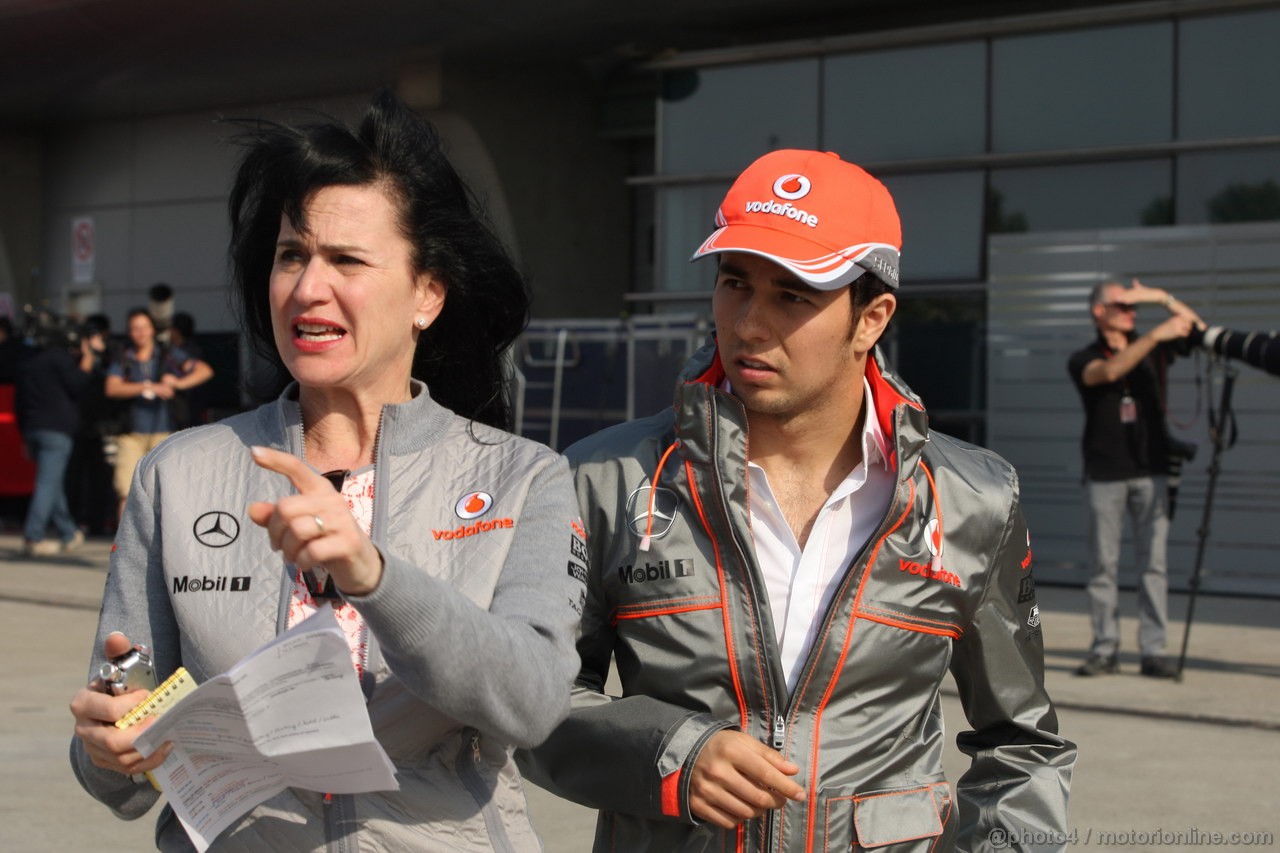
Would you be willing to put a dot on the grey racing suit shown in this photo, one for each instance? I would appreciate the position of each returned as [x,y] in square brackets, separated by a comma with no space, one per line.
[943,584]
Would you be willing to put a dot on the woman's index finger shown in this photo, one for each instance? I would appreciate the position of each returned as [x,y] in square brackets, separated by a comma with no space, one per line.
[305,480]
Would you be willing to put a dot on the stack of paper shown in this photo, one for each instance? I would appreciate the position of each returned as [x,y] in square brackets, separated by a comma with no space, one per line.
[290,715]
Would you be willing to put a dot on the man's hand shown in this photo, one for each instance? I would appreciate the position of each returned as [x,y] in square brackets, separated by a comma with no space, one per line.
[1138,293]
[1173,329]
[736,777]
[96,712]
[315,527]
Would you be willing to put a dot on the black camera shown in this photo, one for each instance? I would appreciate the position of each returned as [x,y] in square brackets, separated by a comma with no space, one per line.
[45,330]
[1180,451]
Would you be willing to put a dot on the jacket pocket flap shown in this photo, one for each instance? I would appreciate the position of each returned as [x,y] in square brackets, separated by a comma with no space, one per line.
[891,817]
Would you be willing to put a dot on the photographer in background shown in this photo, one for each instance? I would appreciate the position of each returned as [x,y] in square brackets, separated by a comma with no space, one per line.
[1126,462]
[1257,349]
[47,405]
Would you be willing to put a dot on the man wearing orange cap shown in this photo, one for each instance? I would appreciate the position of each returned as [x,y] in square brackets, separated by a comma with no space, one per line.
[785,564]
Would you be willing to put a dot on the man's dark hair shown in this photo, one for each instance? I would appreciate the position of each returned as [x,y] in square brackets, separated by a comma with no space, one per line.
[486,304]
[1098,295]
[864,289]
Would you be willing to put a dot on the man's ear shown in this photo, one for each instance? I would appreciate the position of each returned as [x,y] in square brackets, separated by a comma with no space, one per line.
[872,322]
[1096,310]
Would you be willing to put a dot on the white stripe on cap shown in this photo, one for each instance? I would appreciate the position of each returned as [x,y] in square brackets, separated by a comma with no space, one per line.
[834,269]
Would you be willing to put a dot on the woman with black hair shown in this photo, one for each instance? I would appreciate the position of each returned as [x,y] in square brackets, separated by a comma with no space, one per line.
[363,269]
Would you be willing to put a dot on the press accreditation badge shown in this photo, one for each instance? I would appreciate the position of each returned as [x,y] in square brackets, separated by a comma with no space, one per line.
[1128,410]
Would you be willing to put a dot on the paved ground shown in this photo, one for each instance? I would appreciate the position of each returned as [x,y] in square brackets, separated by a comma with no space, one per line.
[1156,758]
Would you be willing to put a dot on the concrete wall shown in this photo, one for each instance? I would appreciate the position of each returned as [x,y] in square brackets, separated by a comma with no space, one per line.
[19,215]
[1037,316]
[564,183]
[156,190]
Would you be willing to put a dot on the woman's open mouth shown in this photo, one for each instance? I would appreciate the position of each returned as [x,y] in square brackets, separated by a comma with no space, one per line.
[315,335]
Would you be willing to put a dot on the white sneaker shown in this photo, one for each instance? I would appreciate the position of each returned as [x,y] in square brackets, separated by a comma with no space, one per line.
[76,540]
[43,548]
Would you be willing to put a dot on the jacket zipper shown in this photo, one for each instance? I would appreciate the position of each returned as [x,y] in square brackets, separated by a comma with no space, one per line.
[468,769]
[841,592]
[780,722]
[771,688]
[779,732]
[337,841]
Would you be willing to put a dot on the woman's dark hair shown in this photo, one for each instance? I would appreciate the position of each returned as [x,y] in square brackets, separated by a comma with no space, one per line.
[486,305]
[140,312]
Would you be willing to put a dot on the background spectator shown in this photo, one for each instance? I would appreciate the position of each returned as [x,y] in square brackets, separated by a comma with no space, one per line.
[50,383]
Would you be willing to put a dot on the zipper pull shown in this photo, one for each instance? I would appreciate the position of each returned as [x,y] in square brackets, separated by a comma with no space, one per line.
[779,732]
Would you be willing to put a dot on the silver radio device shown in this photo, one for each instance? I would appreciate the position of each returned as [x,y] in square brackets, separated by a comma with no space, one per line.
[133,670]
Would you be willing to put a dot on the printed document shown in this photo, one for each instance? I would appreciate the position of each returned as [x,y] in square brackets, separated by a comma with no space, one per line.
[290,715]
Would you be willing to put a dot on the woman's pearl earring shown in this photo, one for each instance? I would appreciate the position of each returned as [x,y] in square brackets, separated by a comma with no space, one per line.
[422,322]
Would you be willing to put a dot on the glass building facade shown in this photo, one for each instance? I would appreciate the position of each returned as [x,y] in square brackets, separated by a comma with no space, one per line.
[1139,119]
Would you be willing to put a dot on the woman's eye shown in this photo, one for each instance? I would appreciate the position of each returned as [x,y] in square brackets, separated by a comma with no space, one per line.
[347,260]
[289,256]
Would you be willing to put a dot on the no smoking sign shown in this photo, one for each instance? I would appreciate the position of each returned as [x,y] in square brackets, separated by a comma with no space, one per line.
[82,249]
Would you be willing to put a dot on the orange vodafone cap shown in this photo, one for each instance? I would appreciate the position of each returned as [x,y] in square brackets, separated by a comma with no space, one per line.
[826,220]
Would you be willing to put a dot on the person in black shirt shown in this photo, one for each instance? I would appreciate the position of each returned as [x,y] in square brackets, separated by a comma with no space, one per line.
[188,406]
[1119,377]
[47,405]
[90,492]
[10,352]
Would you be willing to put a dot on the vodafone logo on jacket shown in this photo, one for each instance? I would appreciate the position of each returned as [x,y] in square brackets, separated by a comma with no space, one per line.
[932,537]
[473,505]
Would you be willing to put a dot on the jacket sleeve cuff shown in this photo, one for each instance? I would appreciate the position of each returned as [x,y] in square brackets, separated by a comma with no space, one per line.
[127,799]
[402,604]
[676,760]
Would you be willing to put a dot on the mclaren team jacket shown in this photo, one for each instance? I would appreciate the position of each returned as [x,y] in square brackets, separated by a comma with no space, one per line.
[471,627]
[943,584]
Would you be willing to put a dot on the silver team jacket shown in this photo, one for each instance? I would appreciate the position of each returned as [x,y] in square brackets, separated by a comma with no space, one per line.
[455,688]
[690,627]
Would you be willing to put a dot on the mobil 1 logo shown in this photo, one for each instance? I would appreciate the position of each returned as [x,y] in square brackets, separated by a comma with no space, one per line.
[188,583]
[651,572]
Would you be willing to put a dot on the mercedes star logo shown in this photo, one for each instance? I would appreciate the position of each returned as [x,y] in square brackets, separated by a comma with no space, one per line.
[216,529]
[665,504]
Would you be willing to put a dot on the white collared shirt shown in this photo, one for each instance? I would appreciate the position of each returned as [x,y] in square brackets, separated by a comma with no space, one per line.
[801,583]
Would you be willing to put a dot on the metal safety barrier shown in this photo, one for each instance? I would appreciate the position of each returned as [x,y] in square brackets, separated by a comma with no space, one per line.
[574,377]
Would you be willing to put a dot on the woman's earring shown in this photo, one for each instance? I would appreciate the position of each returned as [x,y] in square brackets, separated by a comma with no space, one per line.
[422,322]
